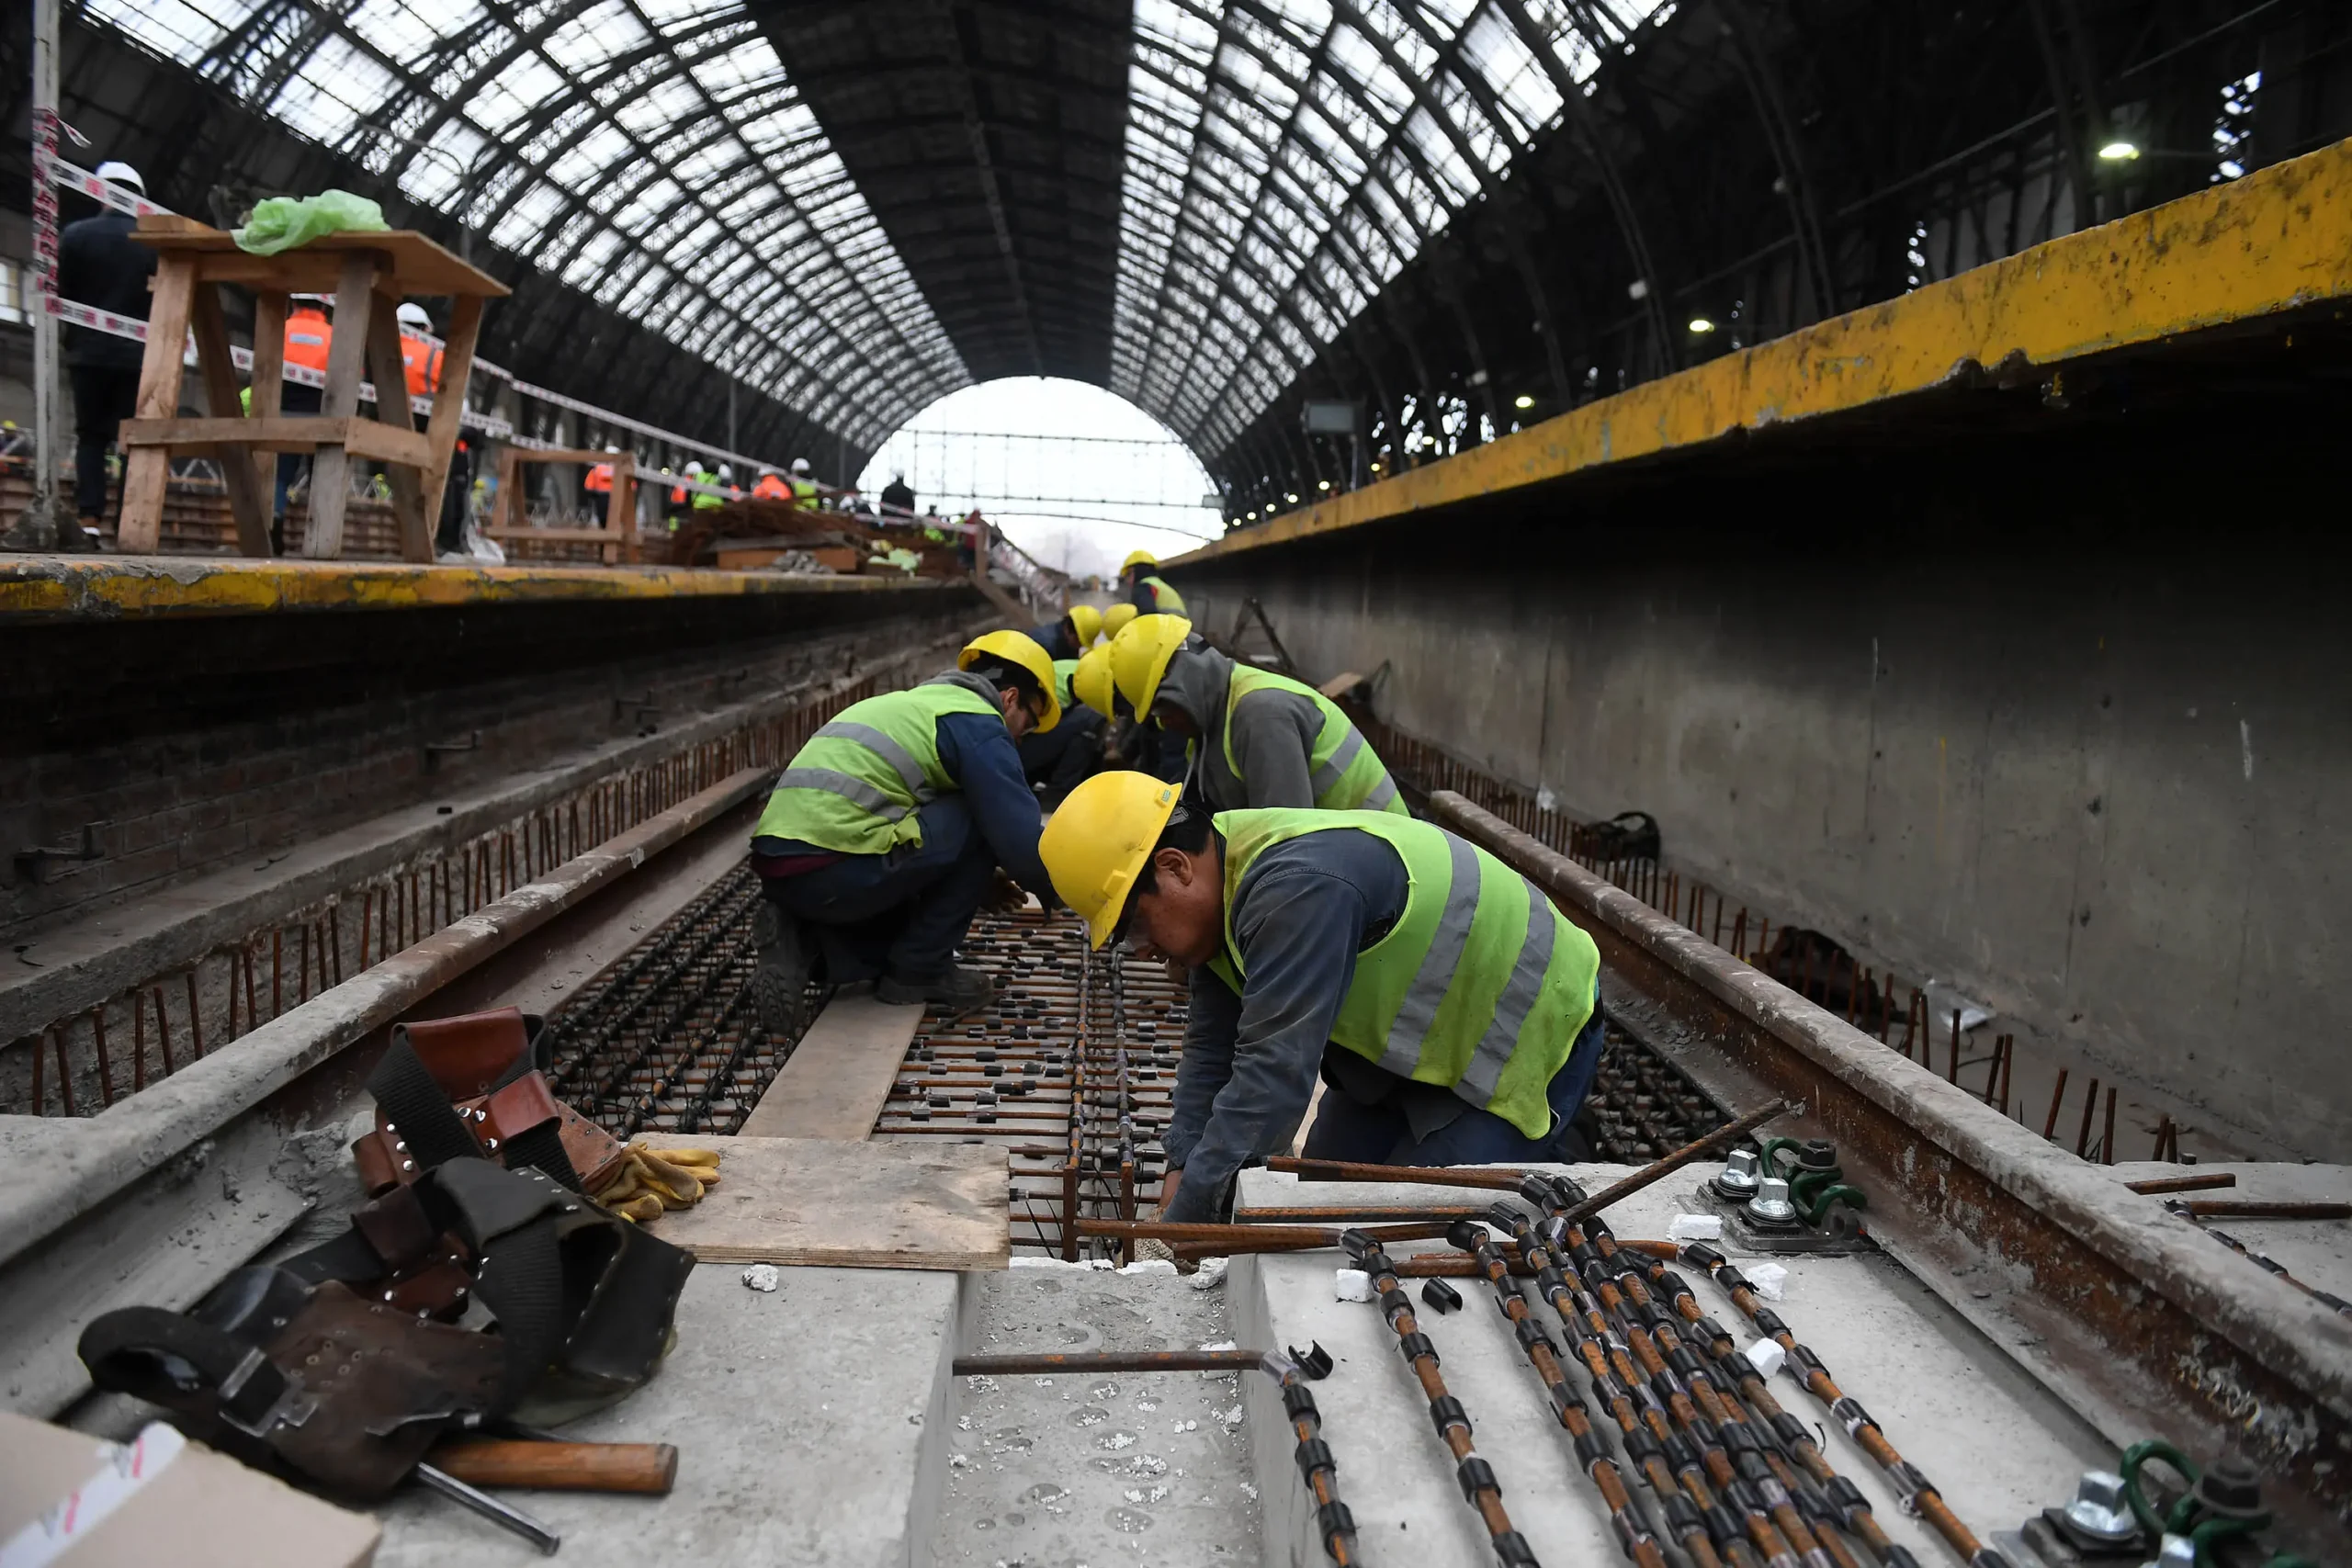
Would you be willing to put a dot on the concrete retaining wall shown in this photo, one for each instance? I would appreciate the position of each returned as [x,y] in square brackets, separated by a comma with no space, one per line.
[2084,754]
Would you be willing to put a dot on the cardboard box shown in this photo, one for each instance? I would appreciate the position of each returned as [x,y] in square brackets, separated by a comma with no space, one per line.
[198,1509]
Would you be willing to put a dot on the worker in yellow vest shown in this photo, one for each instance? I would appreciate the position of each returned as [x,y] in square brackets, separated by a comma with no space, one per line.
[1140,581]
[885,831]
[1447,1006]
[1255,739]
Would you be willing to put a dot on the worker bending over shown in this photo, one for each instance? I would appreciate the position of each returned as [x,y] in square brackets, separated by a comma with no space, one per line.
[1142,748]
[1140,581]
[884,833]
[1448,1008]
[1057,761]
[1072,634]
[1255,739]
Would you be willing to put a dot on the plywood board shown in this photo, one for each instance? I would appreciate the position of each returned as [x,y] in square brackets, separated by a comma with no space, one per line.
[837,1077]
[847,1205]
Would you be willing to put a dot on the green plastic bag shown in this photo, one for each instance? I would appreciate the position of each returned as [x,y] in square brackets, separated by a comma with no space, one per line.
[286,222]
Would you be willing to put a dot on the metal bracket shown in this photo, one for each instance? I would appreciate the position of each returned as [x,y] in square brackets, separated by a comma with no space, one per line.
[34,863]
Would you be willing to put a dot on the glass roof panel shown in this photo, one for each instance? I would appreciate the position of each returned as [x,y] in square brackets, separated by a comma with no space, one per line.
[1387,117]
[591,134]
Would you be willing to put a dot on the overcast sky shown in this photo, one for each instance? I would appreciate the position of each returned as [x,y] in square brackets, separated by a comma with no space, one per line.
[1077,476]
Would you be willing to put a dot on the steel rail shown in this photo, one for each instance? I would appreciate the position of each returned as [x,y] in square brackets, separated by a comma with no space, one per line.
[2128,1313]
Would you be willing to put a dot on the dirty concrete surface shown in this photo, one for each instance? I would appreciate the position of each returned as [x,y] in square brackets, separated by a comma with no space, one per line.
[1081,1470]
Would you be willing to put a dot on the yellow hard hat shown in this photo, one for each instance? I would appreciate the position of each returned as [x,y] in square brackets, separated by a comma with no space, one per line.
[1090,681]
[1098,840]
[1021,649]
[1115,618]
[1139,558]
[1139,657]
[1086,620]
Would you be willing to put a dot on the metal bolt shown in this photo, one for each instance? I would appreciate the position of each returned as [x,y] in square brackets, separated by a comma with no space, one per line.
[1739,1174]
[1770,1205]
[2100,1508]
[2177,1551]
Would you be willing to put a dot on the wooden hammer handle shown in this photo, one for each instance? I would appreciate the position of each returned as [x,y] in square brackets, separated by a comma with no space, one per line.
[649,1468]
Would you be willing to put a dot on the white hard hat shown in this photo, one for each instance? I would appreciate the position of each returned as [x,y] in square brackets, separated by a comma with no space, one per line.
[726,473]
[413,314]
[800,465]
[610,447]
[122,174]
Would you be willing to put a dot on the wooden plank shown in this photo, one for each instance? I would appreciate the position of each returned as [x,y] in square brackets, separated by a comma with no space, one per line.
[354,297]
[847,1205]
[418,265]
[390,375]
[139,529]
[269,391]
[839,1075]
[449,407]
[552,536]
[248,502]
[360,436]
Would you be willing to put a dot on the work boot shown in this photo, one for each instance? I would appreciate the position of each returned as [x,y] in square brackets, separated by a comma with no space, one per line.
[780,985]
[958,988]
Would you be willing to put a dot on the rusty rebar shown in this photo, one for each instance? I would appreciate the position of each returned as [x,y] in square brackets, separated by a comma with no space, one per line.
[2205,1182]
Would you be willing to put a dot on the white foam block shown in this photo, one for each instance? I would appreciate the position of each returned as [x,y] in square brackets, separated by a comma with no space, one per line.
[1766,1356]
[1352,1285]
[1694,1228]
[1770,1278]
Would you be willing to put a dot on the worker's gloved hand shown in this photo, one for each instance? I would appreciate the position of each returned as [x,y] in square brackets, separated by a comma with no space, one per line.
[648,1180]
[1005,894]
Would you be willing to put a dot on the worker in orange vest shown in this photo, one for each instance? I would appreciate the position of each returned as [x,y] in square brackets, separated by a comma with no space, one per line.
[771,486]
[310,337]
[599,478]
[420,354]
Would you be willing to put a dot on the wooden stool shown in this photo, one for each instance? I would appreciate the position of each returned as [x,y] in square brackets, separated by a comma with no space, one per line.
[618,535]
[369,275]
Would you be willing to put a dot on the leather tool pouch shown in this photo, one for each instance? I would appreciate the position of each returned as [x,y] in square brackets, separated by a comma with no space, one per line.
[491,1067]
[319,1369]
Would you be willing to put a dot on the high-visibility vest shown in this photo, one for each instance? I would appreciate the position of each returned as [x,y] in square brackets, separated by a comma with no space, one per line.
[1064,669]
[1481,986]
[599,480]
[1345,772]
[423,362]
[804,493]
[771,488]
[1165,600]
[695,472]
[309,338]
[854,787]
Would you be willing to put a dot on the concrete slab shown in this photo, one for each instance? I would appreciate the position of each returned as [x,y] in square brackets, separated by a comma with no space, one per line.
[1070,1470]
[808,1426]
[1992,1439]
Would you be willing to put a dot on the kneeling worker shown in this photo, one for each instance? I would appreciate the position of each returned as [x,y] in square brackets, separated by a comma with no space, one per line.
[1448,1007]
[1058,762]
[1259,740]
[1071,636]
[884,833]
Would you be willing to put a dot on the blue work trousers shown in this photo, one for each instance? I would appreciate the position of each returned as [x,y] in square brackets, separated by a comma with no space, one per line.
[903,913]
[1346,1129]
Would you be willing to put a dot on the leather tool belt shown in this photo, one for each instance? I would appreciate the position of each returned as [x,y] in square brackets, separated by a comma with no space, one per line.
[493,1067]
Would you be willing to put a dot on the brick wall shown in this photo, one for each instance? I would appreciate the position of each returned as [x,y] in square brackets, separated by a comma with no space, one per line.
[201,741]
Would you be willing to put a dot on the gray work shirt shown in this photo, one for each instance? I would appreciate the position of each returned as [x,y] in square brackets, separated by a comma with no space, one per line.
[1273,738]
[1303,910]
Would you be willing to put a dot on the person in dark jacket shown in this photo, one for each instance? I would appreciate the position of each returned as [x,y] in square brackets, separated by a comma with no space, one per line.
[886,832]
[99,265]
[1072,634]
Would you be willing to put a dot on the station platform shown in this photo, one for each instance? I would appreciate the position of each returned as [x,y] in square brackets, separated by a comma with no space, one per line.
[56,587]
[2240,288]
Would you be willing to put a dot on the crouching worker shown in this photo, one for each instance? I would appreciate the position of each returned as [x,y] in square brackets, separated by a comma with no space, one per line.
[1448,1008]
[1058,761]
[1255,739]
[884,834]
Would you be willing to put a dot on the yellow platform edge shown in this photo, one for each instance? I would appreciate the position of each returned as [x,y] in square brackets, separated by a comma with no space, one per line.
[80,587]
[2279,240]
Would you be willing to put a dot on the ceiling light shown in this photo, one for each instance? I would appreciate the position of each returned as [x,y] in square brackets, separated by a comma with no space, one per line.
[1289,496]
[2119,152]
[1638,289]
[1700,325]
[1375,467]
[1323,484]
[1253,517]
[1525,401]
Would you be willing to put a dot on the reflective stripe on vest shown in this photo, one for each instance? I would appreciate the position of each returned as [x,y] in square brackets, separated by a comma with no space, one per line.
[1481,986]
[1345,774]
[854,787]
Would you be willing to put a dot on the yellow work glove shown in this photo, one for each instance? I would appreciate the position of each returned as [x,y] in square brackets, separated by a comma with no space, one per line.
[648,1180]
